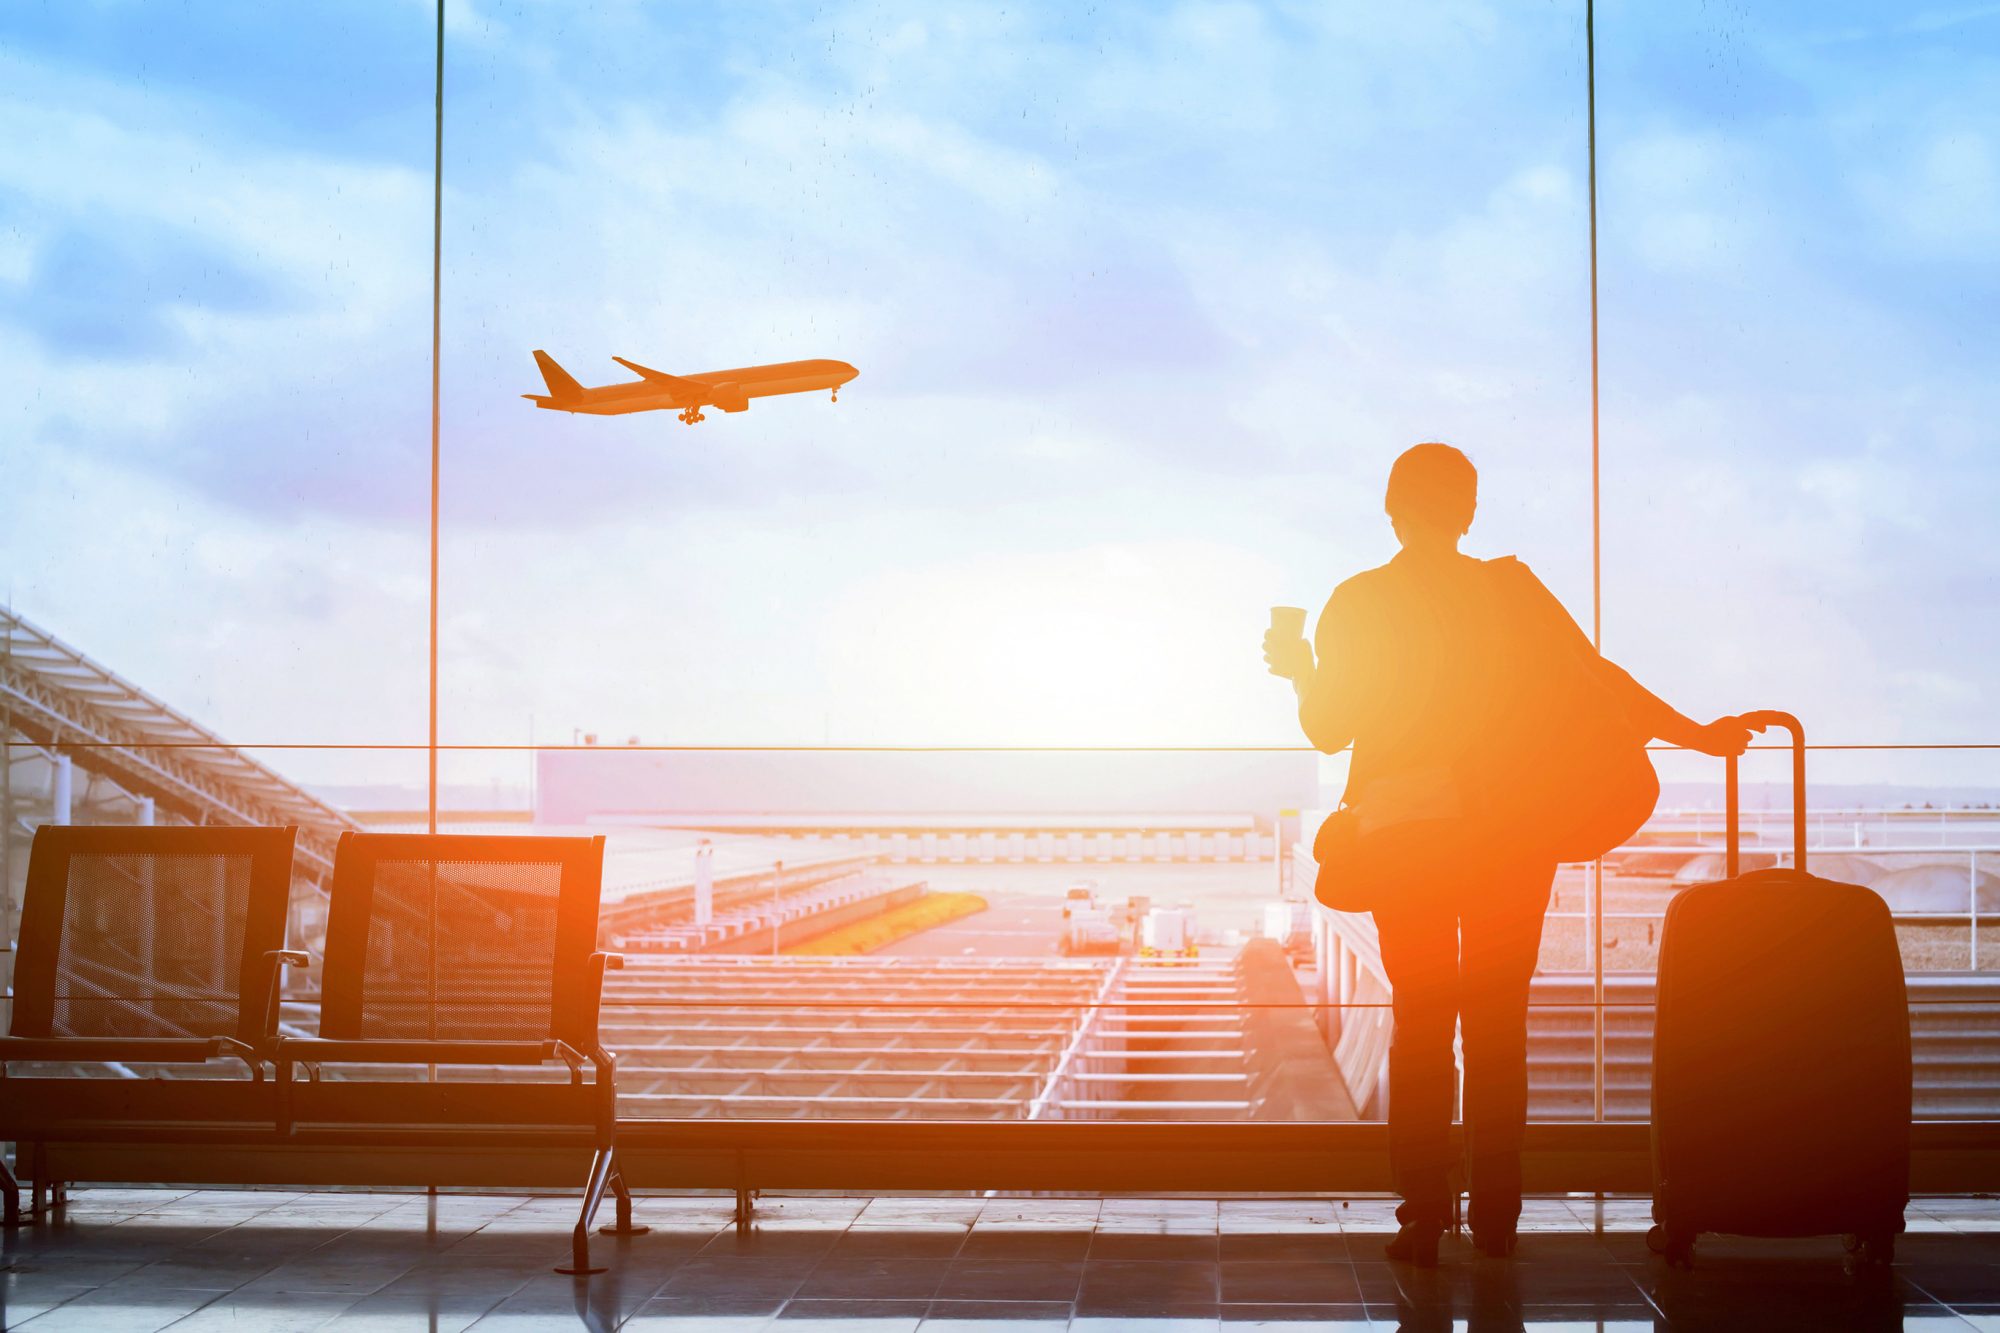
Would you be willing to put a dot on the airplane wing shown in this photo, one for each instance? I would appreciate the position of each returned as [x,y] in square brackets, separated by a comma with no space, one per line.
[661,377]
[729,397]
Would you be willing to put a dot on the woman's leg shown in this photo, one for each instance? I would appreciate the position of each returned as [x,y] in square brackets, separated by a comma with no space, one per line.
[1420,955]
[1502,925]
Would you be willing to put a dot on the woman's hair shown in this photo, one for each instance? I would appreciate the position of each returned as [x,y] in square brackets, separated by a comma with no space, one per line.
[1435,486]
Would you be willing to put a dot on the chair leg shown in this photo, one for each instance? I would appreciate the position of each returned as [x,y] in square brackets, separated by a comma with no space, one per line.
[622,1193]
[743,1198]
[593,1195]
[38,1188]
[10,1196]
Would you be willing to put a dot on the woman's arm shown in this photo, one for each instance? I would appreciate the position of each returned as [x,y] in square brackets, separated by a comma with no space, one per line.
[1326,705]
[1723,737]
[1323,711]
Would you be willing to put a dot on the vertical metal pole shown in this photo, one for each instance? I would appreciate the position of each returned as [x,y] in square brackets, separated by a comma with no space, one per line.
[1596,556]
[7,810]
[1732,828]
[1799,806]
[149,916]
[61,782]
[1596,541]
[1972,901]
[437,306]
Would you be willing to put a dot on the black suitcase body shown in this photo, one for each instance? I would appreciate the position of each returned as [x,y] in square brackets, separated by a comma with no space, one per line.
[1781,1055]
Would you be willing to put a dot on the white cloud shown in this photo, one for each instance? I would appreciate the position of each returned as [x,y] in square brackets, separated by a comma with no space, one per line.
[1942,196]
[1141,312]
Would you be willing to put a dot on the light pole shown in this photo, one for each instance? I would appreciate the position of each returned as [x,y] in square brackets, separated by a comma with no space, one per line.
[777,896]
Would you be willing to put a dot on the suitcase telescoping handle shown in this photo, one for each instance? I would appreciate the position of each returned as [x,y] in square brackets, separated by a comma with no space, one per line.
[1759,721]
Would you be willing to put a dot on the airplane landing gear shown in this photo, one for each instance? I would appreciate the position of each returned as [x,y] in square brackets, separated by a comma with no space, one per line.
[836,393]
[690,415]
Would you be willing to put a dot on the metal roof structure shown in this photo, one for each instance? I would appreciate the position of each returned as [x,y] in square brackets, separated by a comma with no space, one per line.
[55,698]
[707,1035]
[910,1038]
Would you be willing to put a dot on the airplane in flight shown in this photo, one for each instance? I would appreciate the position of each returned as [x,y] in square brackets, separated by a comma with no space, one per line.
[730,390]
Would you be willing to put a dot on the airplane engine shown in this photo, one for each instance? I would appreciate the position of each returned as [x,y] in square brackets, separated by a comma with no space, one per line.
[730,398]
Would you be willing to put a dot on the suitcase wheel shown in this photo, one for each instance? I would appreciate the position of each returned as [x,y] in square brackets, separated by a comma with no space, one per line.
[1677,1250]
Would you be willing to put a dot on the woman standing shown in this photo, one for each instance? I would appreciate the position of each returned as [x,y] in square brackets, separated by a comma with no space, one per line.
[1411,670]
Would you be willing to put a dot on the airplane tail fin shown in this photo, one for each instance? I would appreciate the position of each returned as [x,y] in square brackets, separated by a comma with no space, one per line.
[561,383]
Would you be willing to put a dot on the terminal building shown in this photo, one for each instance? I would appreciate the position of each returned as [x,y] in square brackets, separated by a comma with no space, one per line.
[947,805]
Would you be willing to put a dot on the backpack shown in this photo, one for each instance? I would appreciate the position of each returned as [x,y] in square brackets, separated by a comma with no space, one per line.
[1564,774]
[1557,772]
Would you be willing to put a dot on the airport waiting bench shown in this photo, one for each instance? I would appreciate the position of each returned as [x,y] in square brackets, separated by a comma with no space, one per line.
[148,947]
[161,947]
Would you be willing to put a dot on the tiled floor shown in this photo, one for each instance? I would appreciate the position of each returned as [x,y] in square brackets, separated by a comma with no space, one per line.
[150,1259]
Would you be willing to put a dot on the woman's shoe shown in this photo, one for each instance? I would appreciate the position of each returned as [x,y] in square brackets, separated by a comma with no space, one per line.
[1495,1242]
[1416,1243]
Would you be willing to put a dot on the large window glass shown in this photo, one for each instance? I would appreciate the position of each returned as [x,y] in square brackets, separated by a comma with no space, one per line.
[928,727]
[213,310]
[1142,310]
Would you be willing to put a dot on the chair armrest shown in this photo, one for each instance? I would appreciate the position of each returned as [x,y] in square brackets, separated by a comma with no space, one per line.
[279,960]
[243,1051]
[569,1055]
[315,1050]
[121,1050]
[601,961]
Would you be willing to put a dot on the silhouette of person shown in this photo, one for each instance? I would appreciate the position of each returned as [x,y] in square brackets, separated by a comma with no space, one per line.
[1405,671]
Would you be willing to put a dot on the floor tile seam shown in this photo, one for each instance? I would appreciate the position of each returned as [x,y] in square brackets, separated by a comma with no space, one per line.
[57,1306]
[181,1318]
[484,1223]
[1075,1291]
[468,1324]
[332,1240]
[265,1211]
[1914,1285]
[169,1286]
[507,1295]
[337,1314]
[1936,1301]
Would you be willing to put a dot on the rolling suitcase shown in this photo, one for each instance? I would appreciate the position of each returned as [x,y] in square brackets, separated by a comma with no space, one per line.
[1781,1054]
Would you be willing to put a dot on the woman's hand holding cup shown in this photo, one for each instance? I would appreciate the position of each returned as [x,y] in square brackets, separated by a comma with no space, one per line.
[1286,651]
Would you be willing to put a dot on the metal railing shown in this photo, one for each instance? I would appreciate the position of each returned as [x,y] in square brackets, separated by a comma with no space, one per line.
[1346,952]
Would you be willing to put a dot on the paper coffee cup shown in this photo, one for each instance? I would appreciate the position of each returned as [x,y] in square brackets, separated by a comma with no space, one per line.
[1289,621]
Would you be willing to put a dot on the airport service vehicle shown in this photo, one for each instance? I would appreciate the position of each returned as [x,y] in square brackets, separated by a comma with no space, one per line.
[655,390]
[1288,923]
[1781,1054]
[1168,933]
[1083,894]
[1136,907]
[1089,929]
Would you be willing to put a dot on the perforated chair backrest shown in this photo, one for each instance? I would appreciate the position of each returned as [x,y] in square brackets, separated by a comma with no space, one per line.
[150,932]
[449,937]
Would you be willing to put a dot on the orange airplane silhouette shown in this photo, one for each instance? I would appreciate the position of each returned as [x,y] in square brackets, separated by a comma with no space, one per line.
[730,390]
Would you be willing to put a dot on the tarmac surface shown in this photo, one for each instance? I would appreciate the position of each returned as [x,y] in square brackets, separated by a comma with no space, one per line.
[1023,918]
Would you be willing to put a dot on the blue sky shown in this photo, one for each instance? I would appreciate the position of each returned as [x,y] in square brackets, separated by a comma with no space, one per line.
[1144,299]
